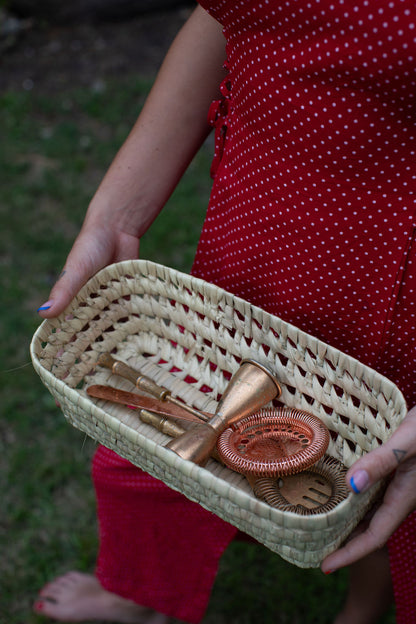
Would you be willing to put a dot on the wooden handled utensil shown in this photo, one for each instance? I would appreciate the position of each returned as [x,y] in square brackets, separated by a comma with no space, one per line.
[140,401]
[142,382]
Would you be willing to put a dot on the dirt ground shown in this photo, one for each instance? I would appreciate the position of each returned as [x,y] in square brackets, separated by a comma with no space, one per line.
[47,58]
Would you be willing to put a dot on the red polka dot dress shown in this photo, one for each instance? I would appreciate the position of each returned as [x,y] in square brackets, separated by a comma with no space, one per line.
[313,209]
[312,212]
[312,217]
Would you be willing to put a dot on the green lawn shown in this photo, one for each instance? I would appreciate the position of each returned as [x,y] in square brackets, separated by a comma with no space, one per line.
[54,151]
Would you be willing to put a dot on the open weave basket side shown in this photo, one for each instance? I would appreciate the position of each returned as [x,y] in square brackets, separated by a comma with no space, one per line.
[190,337]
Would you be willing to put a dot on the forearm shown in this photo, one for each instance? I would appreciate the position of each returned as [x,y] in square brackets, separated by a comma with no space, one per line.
[168,132]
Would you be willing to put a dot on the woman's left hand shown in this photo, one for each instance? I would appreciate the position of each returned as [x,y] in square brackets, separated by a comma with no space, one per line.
[395,458]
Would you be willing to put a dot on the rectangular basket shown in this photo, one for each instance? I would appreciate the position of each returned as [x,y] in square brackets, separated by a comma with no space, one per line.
[190,336]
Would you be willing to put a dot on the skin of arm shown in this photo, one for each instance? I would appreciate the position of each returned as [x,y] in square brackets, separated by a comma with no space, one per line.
[166,136]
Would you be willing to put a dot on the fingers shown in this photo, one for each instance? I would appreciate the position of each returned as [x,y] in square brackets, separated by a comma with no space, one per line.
[68,284]
[81,264]
[92,251]
[397,455]
[381,462]
[397,504]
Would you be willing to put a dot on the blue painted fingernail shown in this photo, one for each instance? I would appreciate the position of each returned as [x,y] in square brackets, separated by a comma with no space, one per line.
[359,481]
[45,306]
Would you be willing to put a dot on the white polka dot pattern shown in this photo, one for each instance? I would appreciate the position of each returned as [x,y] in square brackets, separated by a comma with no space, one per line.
[312,212]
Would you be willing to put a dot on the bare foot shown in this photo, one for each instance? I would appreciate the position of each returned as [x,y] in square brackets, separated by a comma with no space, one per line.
[75,597]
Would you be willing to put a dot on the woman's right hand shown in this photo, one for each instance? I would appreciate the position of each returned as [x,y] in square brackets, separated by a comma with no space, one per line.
[94,248]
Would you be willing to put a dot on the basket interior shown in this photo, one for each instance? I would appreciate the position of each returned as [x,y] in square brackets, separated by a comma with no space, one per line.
[190,337]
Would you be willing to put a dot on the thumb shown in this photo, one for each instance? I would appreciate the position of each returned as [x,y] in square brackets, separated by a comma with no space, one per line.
[87,256]
[68,284]
[382,461]
[94,249]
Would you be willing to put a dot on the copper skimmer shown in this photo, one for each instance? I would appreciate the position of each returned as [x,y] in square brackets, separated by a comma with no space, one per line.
[281,453]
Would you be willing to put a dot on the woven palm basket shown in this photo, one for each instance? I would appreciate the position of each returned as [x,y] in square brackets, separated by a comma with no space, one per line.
[190,336]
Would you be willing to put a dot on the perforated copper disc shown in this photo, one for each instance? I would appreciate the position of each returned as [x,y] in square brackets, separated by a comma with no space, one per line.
[274,442]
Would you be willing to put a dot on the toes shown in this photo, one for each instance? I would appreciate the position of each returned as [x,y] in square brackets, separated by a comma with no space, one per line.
[47,591]
[68,596]
[44,607]
[62,583]
[52,589]
[51,610]
[38,606]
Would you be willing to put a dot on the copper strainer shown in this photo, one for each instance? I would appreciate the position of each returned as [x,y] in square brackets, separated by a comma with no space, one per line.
[274,442]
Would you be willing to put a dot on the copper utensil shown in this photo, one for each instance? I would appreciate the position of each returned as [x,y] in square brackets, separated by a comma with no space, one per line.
[170,428]
[250,388]
[317,490]
[274,442]
[115,395]
[160,420]
[142,382]
[161,423]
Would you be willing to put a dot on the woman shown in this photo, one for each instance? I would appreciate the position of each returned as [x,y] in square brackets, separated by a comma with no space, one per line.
[312,217]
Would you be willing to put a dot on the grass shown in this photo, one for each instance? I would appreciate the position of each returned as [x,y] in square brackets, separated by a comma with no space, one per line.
[54,152]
